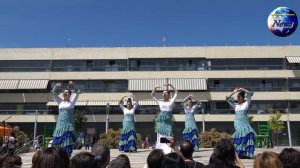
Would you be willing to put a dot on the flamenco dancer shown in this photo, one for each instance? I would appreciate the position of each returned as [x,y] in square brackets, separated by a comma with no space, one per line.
[190,131]
[244,135]
[164,119]
[128,142]
[63,134]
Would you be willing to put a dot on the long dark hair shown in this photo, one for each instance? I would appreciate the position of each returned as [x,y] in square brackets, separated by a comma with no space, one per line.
[85,160]
[223,154]
[53,157]
[173,160]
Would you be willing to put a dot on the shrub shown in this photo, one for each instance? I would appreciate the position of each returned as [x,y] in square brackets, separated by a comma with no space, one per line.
[112,139]
[209,139]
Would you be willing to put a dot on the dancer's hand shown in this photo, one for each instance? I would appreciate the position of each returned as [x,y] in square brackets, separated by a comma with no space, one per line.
[58,85]
[157,87]
[71,84]
[171,143]
[236,90]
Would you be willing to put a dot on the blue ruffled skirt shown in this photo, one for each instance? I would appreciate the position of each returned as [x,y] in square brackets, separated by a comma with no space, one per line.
[128,137]
[190,131]
[164,123]
[63,134]
[244,135]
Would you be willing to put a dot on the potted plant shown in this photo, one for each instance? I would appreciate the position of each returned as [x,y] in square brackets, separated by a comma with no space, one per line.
[276,124]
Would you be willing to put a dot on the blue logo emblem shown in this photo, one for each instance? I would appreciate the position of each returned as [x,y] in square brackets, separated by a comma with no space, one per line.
[282,21]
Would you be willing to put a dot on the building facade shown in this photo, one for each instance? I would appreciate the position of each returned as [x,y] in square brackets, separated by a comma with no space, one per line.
[105,75]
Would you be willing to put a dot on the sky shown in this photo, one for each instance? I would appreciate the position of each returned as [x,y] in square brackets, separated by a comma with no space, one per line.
[137,23]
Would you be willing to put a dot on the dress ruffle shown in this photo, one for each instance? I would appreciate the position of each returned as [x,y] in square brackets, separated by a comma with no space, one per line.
[128,136]
[128,141]
[244,144]
[66,141]
[164,123]
[192,135]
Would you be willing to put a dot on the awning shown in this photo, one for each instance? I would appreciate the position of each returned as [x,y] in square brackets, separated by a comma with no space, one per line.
[103,103]
[293,59]
[23,84]
[145,84]
[33,84]
[179,83]
[8,84]
[79,103]
[189,83]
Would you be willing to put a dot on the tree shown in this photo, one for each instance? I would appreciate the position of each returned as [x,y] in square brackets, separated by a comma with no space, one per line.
[276,124]
[80,120]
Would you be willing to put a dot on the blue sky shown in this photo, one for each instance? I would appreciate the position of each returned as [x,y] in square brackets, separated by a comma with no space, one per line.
[113,23]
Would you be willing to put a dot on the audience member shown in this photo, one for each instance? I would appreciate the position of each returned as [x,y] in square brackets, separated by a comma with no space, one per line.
[267,160]
[290,158]
[173,160]
[103,152]
[36,155]
[155,158]
[187,150]
[85,160]
[118,163]
[54,157]
[12,161]
[224,156]
[125,157]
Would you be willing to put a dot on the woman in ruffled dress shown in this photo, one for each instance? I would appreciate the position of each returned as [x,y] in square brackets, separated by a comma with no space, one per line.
[164,127]
[244,135]
[128,139]
[190,131]
[63,134]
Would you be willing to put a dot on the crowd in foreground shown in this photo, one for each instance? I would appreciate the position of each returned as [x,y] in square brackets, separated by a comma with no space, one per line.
[223,156]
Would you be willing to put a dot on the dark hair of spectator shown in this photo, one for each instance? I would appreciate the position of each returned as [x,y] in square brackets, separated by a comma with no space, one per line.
[85,160]
[124,157]
[118,163]
[267,160]
[173,160]
[155,158]
[223,154]
[186,149]
[290,158]
[53,157]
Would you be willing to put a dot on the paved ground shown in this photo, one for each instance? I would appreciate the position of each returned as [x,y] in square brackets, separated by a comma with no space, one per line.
[139,158]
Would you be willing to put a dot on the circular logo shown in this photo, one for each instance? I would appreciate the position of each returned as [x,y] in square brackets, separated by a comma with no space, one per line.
[282,21]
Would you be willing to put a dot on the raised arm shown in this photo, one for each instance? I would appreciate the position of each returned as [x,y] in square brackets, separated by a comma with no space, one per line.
[175,92]
[75,92]
[121,103]
[230,99]
[153,94]
[55,93]
[198,103]
[136,102]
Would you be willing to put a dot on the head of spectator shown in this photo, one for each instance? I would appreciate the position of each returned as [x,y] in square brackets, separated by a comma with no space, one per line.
[155,158]
[53,157]
[12,161]
[118,163]
[290,158]
[36,155]
[173,160]
[223,154]
[267,160]
[186,149]
[85,160]
[103,152]
[125,157]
